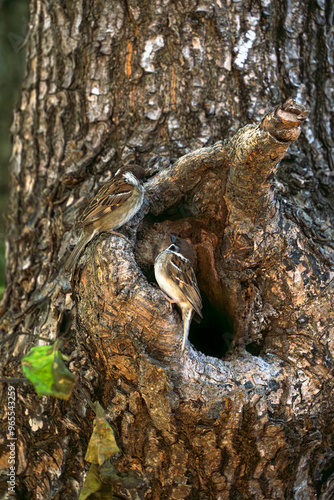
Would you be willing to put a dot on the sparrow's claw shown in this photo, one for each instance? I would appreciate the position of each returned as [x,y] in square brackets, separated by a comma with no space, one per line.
[122,235]
[171,301]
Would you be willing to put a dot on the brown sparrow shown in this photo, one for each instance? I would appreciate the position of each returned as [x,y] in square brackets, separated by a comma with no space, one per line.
[175,276]
[115,203]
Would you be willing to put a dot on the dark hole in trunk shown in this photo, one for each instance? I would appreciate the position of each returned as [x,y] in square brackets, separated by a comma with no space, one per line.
[214,334]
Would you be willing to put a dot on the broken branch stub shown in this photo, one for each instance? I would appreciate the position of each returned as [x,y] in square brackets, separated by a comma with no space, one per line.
[244,165]
[253,156]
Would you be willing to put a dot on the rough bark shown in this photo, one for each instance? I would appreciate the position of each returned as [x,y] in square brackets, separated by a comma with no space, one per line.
[246,413]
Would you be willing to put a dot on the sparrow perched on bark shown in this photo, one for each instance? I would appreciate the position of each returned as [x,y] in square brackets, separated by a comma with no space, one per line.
[175,276]
[115,203]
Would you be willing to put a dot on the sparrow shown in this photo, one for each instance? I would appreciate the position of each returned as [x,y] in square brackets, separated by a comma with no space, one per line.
[175,276]
[115,203]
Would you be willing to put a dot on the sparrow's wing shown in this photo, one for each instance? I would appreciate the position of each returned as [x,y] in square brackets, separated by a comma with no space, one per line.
[109,197]
[181,272]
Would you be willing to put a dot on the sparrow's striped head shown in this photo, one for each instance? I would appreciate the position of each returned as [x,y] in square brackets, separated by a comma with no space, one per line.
[133,170]
[181,246]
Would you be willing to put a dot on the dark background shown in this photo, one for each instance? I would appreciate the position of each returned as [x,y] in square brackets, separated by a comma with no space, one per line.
[14,29]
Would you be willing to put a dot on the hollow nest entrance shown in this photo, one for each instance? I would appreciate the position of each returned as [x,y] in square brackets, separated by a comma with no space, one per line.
[212,335]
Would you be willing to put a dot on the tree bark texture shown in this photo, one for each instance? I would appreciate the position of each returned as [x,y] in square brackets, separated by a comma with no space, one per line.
[193,92]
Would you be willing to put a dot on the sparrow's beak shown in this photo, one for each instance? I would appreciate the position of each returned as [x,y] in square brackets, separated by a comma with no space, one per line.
[173,238]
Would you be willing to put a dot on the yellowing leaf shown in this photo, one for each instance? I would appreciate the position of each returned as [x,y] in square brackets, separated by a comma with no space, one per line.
[102,444]
[93,484]
[44,367]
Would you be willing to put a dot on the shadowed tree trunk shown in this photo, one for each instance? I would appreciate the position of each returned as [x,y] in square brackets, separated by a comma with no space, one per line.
[193,92]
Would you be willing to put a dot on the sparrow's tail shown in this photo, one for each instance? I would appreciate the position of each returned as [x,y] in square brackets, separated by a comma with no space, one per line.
[187,314]
[76,252]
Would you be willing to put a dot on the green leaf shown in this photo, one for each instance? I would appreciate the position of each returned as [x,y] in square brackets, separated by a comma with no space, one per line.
[102,444]
[44,367]
[94,487]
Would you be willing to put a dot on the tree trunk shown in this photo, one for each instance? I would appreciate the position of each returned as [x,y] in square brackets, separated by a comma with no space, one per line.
[245,412]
